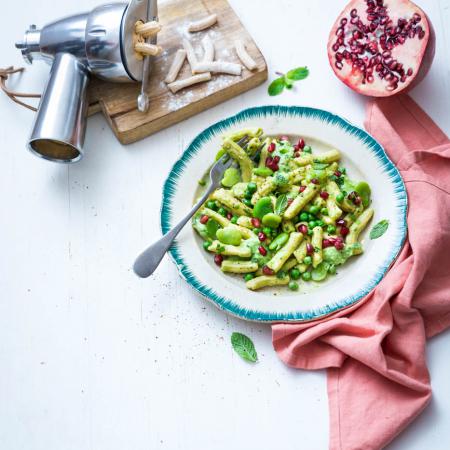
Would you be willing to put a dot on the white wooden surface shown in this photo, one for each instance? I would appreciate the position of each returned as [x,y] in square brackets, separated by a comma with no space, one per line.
[93,358]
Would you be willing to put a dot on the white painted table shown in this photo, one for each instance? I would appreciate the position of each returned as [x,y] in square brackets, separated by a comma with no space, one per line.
[92,357]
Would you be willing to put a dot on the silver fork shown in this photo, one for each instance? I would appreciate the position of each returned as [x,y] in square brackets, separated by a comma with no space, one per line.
[147,262]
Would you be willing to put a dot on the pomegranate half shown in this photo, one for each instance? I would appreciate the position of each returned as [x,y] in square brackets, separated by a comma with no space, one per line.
[381,47]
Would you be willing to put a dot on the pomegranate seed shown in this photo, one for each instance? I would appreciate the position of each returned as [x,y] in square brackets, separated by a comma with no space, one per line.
[271,147]
[262,236]
[324,195]
[218,259]
[267,271]
[302,188]
[289,201]
[269,161]
[410,72]
[256,222]
[344,231]
[315,181]
[326,243]
[353,13]
[276,159]
[357,201]
[274,167]
[302,228]
[296,155]
[262,250]
[337,173]
[309,249]
[229,216]
[284,138]
[332,240]
[301,144]
[341,223]
[204,219]
[339,245]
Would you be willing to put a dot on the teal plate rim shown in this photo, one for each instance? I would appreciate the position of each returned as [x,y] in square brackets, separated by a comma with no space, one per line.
[228,304]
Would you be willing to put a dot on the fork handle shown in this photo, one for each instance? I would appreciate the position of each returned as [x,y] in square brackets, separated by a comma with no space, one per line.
[147,262]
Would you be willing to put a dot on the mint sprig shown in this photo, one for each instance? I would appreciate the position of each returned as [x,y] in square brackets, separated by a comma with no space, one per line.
[287,80]
[244,347]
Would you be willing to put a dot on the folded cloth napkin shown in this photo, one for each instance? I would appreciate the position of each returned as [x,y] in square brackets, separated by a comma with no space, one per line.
[378,380]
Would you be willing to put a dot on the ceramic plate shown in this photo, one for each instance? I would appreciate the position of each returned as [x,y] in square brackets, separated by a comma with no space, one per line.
[364,159]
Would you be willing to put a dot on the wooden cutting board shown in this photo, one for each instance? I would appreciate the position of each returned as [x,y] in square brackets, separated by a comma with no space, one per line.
[118,101]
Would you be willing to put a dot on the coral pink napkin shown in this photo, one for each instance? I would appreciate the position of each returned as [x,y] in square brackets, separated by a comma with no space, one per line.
[378,380]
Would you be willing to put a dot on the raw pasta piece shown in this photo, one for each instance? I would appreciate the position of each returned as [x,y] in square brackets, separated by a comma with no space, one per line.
[181,84]
[326,158]
[147,49]
[202,24]
[245,58]
[147,29]
[176,65]
[208,48]
[190,53]
[218,67]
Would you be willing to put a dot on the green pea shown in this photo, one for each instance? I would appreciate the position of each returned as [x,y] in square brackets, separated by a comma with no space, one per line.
[304,217]
[310,232]
[234,219]
[307,149]
[295,274]
[229,235]
[279,241]
[211,204]
[247,202]
[263,171]
[340,197]
[332,269]
[314,209]
[307,260]
[331,229]
[306,276]
[248,277]
[222,212]
[319,223]
[281,274]
[293,285]
[262,207]
[267,231]
[256,230]
[310,217]
[312,224]
[248,194]
[206,244]
[251,187]
[271,220]
[324,211]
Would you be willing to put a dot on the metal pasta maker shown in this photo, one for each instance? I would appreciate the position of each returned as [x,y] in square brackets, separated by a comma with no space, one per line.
[99,43]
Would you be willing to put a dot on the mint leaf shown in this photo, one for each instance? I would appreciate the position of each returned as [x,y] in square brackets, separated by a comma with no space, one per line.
[244,347]
[300,73]
[281,204]
[379,229]
[211,228]
[277,86]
